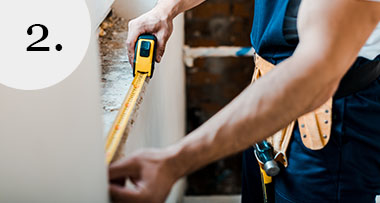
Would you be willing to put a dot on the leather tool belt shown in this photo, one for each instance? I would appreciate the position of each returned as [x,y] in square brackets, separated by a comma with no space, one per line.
[315,127]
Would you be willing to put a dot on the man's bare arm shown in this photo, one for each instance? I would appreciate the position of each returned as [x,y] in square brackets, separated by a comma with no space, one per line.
[331,33]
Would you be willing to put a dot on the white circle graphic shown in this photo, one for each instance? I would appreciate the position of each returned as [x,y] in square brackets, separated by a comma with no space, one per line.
[61,26]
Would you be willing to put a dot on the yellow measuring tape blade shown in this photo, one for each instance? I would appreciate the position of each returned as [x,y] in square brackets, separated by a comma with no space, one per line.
[117,130]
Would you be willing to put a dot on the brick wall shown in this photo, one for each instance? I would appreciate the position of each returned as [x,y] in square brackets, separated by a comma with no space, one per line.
[219,22]
[214,82]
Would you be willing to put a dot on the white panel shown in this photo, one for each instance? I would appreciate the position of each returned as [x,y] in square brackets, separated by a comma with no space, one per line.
[51,144]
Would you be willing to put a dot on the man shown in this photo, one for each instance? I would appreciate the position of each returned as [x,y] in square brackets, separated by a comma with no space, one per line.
[311,59]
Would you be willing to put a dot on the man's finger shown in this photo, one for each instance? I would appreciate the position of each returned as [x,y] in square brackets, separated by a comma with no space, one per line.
[160,48]
[122,169]
[131,53]
[131,41]
[131,58]
[119,181]
[160,53]
[121,194]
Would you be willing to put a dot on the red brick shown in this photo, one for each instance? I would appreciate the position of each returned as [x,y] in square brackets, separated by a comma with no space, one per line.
[243,9]
[208,10]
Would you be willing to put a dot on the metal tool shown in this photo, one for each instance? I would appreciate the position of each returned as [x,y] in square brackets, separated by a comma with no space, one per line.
[268,168]
[143,67]
[264,152]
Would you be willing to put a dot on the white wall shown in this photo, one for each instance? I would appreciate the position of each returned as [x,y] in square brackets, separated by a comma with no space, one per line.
[161,117]
[51,144]
[130,9]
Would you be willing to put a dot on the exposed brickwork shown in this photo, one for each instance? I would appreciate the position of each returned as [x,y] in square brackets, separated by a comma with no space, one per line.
[220,22]
[214,82]
[211,84]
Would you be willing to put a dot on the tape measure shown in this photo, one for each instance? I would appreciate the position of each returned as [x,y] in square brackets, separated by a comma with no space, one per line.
[145,53]
[143,67]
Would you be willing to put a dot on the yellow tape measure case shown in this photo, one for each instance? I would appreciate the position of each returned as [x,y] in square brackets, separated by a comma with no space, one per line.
[145,54]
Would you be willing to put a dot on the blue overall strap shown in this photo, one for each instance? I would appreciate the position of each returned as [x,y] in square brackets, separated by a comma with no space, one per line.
[290,22]
[267,30]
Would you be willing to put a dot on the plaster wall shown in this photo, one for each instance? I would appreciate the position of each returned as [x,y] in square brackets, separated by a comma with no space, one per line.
[51,143]
[52,148]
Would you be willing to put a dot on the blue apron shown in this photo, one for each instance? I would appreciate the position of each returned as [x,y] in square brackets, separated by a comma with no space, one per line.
[347,169]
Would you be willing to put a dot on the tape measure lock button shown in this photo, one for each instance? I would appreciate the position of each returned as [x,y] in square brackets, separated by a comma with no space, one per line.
[145,48]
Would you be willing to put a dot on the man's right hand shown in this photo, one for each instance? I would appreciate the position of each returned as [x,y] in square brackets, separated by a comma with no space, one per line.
[152,172]
[158,22]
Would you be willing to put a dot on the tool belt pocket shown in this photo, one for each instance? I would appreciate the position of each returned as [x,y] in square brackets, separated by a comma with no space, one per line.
[314,127]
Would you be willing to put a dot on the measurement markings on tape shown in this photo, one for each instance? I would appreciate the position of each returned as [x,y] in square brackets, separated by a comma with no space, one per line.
[118,128]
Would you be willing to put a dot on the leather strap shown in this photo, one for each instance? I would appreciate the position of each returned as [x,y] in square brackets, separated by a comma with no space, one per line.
[358,78]
[314,127]
[280,140]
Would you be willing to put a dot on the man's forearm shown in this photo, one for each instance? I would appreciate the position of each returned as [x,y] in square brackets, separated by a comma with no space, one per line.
[175,7]
[296,86]
[263,108]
